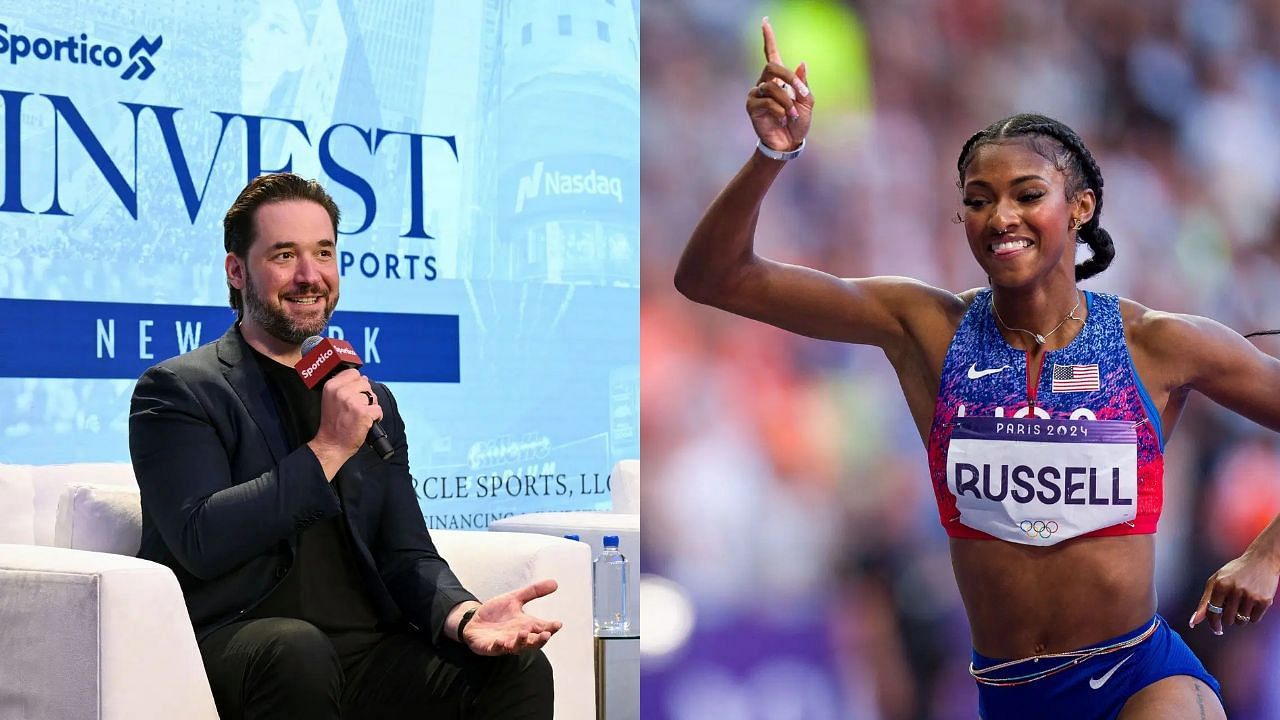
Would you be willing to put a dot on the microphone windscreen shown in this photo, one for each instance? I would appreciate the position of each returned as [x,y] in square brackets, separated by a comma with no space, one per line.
[310,343]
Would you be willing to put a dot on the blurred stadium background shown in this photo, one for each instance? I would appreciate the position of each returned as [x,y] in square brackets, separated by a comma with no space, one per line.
[795,565]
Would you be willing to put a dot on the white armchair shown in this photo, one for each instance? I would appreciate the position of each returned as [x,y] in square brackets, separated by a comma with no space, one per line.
[87,631]
[591,527]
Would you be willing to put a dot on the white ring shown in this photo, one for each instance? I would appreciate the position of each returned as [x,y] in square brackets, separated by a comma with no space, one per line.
[1214,609]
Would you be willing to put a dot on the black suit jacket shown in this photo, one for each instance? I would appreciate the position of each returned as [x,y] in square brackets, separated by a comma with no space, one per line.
[223,498]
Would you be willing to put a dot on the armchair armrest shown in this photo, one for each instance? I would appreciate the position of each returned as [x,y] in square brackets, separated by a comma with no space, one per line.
[491,563]
[93,635]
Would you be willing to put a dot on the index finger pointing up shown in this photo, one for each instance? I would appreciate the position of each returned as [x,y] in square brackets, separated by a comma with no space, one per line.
[771,53]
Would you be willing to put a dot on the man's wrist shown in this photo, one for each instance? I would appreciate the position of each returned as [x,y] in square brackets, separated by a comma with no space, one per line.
[453,621]
[462,623]
[331,459]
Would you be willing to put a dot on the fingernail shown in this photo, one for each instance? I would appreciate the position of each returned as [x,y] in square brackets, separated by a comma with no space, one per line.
[793,112]
[1192,622]
[804,89]
[1217,632]
[764,20]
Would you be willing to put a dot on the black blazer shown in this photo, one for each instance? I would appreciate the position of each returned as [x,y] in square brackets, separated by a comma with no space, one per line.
[223,499]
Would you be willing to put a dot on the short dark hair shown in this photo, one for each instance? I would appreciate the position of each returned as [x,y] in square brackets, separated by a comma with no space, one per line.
[237,224]
[1061,146]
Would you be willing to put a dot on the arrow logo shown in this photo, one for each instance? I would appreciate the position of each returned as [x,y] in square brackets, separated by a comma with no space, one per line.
[141,65]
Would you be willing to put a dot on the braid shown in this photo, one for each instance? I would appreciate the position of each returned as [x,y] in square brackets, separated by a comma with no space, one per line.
[1072,158]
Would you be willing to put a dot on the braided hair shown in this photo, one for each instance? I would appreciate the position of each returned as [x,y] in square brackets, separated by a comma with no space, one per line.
[1061,146]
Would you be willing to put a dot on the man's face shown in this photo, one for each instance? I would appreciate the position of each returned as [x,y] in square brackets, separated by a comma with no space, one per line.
[289,281]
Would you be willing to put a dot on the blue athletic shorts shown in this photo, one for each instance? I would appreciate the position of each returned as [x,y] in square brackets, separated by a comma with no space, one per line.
[1095,688]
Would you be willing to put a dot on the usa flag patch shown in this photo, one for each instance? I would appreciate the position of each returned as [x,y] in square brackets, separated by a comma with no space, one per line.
[1075,378]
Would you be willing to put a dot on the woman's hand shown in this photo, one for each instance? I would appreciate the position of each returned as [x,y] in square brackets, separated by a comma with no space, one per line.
[780,105]
[1243,589]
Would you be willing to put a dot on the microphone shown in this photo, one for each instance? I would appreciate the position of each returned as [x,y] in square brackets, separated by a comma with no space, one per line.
[321,359]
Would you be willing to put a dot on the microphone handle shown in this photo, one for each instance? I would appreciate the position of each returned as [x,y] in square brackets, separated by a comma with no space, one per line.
[377,440]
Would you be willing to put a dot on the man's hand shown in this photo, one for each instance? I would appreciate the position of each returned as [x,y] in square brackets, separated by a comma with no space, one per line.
[501,627]
[348,408]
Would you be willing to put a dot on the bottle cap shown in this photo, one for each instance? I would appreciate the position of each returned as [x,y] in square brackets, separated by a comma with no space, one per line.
[611,541]
[572,537]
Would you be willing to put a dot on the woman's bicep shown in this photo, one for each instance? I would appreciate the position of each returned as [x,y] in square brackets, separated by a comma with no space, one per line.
[874,311]
[1224,366]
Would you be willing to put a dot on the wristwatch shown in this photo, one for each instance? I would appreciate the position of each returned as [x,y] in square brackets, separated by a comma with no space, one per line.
[783,155]
[466,618]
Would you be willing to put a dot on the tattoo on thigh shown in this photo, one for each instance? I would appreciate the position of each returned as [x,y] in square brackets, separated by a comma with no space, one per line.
[1199,699]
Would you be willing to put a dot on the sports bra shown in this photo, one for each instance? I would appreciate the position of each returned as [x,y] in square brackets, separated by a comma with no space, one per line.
[1082,456]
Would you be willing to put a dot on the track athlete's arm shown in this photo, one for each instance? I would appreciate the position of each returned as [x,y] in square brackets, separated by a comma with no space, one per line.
[719,266]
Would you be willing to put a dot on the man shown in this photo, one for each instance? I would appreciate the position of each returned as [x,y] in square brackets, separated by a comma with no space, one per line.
[311,579]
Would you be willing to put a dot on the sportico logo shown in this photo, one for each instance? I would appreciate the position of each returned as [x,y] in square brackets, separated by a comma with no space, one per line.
[80,51]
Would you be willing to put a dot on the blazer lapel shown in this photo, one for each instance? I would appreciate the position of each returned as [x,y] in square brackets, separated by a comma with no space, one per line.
[245,377]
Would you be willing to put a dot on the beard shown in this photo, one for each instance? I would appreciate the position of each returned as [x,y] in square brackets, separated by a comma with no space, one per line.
[276,323]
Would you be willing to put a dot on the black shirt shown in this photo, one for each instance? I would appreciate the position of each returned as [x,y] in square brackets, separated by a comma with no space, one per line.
[324,586]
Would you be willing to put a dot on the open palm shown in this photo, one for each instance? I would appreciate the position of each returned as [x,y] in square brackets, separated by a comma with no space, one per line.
[501,626]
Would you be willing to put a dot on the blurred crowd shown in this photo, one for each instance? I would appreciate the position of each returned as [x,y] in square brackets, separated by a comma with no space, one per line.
[796,459]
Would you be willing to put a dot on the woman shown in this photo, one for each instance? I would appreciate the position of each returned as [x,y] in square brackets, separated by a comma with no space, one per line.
[1044,411]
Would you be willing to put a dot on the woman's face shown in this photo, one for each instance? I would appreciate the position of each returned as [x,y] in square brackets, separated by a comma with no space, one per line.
[1017,216]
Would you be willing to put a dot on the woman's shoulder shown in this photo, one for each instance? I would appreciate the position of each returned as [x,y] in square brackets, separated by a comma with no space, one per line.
[1156,326]
[1178,342]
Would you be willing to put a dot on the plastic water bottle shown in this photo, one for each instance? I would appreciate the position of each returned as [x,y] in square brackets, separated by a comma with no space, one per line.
[610,574]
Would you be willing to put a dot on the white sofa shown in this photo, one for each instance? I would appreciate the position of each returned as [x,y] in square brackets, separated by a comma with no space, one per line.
[88,631]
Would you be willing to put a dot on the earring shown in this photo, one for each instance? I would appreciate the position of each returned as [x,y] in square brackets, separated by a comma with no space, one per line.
[956,218]
[1075,225]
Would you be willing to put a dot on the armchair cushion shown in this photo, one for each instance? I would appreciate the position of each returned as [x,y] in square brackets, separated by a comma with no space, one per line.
[49,481]
[99,518]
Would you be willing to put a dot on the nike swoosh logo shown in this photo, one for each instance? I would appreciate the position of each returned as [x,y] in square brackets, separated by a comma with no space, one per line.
[975,373]
[1095,683]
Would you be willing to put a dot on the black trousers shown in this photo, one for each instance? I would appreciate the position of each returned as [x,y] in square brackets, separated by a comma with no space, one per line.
[287,668]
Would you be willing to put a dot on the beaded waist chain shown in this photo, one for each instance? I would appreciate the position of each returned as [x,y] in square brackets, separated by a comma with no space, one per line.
[1071,658]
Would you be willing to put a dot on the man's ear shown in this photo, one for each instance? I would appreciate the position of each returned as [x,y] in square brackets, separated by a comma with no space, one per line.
[235,271]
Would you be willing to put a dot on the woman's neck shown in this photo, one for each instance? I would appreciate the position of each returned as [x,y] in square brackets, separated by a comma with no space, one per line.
[1048,311]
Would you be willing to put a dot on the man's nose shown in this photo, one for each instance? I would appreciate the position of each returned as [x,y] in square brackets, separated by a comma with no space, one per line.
[306,271]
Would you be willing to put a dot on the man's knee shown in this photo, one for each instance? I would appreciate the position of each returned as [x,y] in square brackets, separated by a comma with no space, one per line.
[529,669]
[536,666]
[300,651]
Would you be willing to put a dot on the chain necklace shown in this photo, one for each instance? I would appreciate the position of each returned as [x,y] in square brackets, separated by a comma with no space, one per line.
[1040,339]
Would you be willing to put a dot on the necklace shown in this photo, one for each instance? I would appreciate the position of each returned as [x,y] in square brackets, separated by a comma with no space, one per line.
[1040,339]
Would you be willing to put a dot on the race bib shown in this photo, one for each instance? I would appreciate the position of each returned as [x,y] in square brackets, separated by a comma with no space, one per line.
[1039,482]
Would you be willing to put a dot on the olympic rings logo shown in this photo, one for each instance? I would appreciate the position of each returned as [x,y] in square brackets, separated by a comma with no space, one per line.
[1039,528]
